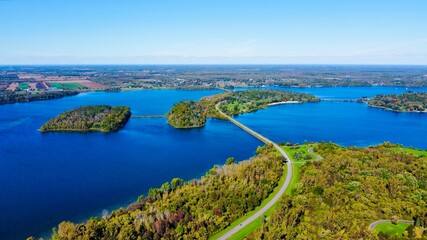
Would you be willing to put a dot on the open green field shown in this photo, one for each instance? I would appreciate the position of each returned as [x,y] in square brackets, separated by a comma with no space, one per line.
[300,153]
[23,86]
[414,151]
[67,86]
[235,106]
[391,229]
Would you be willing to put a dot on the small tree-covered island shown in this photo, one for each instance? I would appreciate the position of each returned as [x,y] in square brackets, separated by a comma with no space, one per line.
[193,114]
[405,102]
[101,118]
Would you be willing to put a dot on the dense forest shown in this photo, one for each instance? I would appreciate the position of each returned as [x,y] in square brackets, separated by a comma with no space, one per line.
[338,197]
[188,210]
[406,102]
[21,96]
[190,114]
[187,114]
[89,118]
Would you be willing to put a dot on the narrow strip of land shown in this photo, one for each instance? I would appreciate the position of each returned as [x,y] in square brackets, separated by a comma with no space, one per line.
[149,116]
[279,194]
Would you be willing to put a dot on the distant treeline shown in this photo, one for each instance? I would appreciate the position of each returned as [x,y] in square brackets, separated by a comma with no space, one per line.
[406,102]
[89,118]
[190,114]
[20,96]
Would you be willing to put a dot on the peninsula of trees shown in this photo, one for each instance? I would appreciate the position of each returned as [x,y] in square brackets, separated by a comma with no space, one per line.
[248,101]
[188,210]
[191,114]
[336,198]
[405,102]
[21,96]
[89,118]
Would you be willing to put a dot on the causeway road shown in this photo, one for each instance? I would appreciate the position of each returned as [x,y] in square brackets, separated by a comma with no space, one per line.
[279,194]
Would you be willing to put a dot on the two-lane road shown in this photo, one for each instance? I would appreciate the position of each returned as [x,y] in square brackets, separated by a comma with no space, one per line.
[278,195]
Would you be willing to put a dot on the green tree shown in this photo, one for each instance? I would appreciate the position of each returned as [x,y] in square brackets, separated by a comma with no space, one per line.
[230,161]
[177,182]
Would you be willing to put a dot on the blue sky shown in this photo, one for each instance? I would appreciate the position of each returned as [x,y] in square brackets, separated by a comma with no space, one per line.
[213,32]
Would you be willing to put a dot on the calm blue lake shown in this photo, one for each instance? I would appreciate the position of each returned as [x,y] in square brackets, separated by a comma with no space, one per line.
[48,178]
[345,123]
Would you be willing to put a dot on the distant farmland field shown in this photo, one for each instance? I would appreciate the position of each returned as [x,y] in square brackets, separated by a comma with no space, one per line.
[67,86]
[23,86]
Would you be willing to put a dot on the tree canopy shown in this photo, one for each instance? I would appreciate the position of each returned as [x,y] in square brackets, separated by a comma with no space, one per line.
[89,118]
[406,102]
[338,197]
[191,114]
[195,209]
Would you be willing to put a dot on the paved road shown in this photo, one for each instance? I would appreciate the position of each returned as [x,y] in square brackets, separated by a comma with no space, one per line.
[316,157]
[374,224]
[282,190]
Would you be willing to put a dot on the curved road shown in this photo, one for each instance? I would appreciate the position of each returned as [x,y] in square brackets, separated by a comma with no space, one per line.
[316,157]
[279,194]
[374,224]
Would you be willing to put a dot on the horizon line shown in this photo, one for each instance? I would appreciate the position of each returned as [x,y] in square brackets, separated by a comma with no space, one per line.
[214,64]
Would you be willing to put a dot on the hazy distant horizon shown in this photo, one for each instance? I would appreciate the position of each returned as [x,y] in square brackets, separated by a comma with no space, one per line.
[177,60]
[215,65]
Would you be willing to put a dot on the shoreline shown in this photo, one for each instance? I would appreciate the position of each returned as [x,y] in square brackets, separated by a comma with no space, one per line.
[166,88]
[283,102]
[396,111]
[198,126]
[74,130]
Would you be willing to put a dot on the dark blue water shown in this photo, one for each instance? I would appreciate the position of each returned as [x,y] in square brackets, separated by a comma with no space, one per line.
[47,178]
[348,124]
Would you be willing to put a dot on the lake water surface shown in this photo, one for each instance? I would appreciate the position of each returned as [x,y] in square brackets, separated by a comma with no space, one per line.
[48,178]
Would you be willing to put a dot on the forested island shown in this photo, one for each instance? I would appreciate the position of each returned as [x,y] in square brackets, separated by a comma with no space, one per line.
[187,114]
[405,102]
[191,114]
[101,118]
[335,198]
